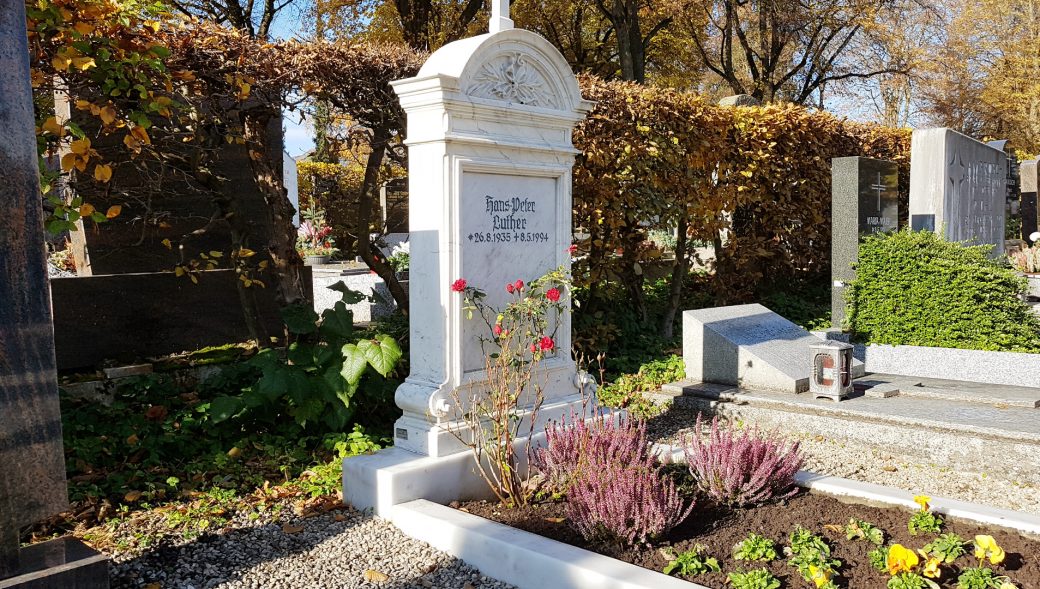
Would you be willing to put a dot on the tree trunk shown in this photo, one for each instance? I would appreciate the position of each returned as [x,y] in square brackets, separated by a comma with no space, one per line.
[286,264]
[680,269]
[625,17]
[366,249]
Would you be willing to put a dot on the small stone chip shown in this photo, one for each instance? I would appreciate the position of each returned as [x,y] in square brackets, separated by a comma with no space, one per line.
[374,576]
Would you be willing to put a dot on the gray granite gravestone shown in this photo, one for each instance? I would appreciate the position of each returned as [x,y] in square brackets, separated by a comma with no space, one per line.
[864,201]
[32,466]
[1028,208]
[958,186]
[749,346]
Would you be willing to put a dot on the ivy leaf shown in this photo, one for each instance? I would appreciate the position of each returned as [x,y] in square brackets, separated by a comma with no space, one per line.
[224,408]
[354,364]
[300,319]
[337,322]
[382,353]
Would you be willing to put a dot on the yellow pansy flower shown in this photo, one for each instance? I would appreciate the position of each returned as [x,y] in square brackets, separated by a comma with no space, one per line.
[931,569]
[923,501]
[986,548]
[820,577]
[901,559]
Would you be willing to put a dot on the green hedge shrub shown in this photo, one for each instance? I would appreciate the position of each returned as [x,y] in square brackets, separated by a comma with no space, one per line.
[915,288]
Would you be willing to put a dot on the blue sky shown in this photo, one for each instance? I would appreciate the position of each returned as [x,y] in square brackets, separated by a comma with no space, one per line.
[299,137]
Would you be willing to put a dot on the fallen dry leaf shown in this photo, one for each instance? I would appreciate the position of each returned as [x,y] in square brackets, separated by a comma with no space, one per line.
[834,527]
[555,520]
[374,576]
[291,529]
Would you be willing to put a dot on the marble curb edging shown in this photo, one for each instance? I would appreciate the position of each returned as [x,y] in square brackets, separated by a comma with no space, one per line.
[521,558]
[530,561]
[1026,523]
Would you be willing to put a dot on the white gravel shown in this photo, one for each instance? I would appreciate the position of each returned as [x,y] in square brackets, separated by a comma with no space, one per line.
[334,549]
[870,464]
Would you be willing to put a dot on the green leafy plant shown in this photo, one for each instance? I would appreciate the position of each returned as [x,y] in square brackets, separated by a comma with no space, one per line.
[755,547]
[923,520]
[982,578]
[317,375]
[878,558]
[692,562]
[915,288]
[628,391]
[756,579]
[811,555]
[911,581]
[858,529]
[947,547]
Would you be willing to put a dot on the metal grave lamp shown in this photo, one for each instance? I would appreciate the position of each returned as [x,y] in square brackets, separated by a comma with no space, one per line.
[831,370]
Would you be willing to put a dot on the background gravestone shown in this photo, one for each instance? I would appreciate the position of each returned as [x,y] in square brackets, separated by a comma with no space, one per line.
[32,465]
[1028,209]
[864,201]
[958,186]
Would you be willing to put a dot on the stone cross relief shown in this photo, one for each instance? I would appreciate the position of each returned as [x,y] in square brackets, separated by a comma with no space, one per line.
[880,188]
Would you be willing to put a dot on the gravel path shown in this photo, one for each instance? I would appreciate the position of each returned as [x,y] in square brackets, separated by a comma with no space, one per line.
[338,549]
[866,463]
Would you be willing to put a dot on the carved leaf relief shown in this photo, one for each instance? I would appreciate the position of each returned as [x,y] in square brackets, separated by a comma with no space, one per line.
[512,79]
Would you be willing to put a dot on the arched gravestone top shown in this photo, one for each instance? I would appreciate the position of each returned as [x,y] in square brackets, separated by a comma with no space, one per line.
[515,67]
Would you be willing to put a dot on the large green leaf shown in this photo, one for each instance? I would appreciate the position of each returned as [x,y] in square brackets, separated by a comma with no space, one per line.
[354,363]
[382,353]
[301,355]
[274,383]
[337,322]
[224,408]
[300,319]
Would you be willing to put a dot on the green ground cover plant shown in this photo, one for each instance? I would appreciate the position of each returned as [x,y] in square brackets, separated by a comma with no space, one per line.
[915,288]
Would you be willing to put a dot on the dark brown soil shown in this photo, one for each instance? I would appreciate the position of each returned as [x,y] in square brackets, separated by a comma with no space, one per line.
[720,529]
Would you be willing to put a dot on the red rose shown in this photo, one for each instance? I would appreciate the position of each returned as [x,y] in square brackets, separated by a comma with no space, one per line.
[510,288]
[573,249]
[546,343]
[459,285]
[553,294]
[497,329]
[534,347]
[519,285]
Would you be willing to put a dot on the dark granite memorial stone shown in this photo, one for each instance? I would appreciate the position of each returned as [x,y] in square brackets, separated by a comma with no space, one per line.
[864,201]
[32,466]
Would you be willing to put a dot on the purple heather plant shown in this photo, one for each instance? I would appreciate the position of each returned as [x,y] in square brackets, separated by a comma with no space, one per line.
[571,444]
[742,468]
[615,489]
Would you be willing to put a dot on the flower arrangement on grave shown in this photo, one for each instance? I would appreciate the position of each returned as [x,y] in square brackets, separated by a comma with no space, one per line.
[1026,260]
[314,237]
[496,422]
[400,257]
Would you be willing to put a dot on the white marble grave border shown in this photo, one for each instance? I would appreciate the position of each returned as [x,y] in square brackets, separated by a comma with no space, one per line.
[530,561]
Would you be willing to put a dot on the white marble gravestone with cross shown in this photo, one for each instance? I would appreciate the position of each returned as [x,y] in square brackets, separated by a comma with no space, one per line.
[490,158]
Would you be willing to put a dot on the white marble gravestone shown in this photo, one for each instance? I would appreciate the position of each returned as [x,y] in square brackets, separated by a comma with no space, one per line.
[490,157]
[958,185]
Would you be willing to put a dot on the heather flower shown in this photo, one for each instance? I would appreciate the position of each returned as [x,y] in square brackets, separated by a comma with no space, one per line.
[459,285]
[553,294]
[614,485]
[546,343]
[744,468]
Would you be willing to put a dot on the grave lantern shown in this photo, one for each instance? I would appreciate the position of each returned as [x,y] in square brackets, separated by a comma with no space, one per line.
[831,370]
